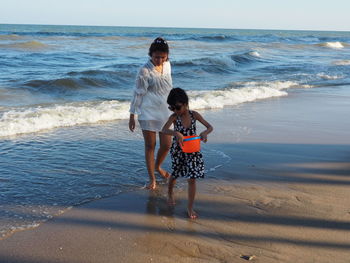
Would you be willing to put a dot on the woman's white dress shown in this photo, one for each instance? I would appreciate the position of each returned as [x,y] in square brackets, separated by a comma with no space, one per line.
[150,96]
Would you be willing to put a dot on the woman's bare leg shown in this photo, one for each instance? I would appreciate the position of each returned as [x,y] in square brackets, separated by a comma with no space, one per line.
[165,143]
[191,195]
[150,144]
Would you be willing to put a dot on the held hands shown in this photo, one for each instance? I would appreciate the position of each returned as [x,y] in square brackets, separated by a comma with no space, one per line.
[204,136]
[132,123]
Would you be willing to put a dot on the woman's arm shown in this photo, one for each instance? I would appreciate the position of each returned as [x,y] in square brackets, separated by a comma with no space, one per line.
[204,134]
[140,90]
[132,123]
[170,78]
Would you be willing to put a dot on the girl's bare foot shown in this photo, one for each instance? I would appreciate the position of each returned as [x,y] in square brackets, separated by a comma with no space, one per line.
[192,214]
[171,200]
[151,186]
[163,173]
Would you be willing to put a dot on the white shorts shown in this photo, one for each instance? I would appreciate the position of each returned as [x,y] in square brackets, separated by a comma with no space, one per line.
[151,125]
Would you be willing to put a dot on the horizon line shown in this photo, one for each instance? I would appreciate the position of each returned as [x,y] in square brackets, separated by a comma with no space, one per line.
[173,27]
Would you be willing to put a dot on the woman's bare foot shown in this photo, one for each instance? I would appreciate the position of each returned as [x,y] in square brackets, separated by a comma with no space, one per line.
[163,173]
[192,214]
[152,186]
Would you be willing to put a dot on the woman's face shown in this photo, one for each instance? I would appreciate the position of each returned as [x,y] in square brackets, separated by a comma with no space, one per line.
[158,58]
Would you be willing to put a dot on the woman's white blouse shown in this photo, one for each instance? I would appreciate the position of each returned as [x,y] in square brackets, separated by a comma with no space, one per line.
[150,96]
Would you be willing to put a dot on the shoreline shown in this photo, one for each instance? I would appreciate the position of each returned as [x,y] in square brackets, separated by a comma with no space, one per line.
[281,197]
[272,221]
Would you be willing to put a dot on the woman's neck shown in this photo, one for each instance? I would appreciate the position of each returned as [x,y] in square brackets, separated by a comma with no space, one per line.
[158,68]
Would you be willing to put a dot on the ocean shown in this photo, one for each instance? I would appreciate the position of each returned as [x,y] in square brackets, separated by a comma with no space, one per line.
[65,94]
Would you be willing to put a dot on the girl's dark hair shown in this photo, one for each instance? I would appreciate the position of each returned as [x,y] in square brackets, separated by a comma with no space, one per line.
[159,44]
[177,95]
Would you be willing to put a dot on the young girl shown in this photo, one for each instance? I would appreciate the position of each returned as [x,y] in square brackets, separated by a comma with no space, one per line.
[189,165]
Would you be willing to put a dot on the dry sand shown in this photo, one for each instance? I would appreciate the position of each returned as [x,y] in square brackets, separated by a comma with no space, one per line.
[281,197]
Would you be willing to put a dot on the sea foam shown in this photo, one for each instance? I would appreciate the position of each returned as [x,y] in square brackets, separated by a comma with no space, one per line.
[335,45]
[325,76]
[39,118]
[231,96]
[342,62]
[254,54]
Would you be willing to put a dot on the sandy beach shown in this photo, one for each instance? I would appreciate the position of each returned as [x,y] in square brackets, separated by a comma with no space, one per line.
[280,196]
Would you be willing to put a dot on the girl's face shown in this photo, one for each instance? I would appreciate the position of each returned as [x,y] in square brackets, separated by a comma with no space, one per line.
[178,108]
[158,58]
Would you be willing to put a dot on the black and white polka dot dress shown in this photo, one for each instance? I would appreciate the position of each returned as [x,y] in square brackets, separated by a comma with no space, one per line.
[189,165]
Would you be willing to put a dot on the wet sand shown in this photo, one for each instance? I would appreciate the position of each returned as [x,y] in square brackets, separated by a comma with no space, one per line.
[280,196]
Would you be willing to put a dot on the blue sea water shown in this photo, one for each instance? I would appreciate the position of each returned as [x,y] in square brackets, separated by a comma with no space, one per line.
[65,89]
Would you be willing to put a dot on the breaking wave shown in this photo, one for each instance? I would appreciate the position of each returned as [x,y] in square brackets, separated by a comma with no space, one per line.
[334,45]
[342,62]
[39,118]
[239,93]
[221,63]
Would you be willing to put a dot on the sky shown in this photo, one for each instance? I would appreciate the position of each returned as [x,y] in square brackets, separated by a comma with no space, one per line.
[243,14]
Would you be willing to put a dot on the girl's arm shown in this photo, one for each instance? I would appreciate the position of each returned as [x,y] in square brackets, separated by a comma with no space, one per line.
[166,129]
[204,134]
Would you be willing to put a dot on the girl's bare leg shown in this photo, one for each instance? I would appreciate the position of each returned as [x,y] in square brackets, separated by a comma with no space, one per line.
[150,144]
[165,143]
[171,199]
[191,195]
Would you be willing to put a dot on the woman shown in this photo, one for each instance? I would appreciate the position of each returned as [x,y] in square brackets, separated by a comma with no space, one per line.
[153,84]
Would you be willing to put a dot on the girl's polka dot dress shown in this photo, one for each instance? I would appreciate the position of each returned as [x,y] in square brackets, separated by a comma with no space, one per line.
[189,165]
